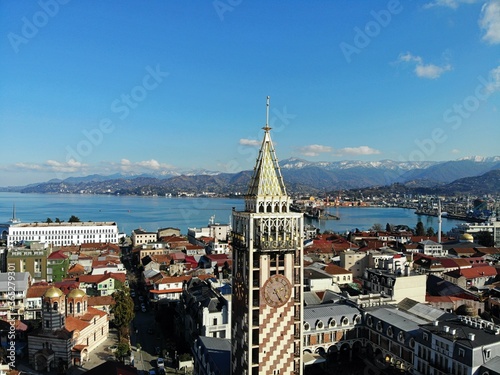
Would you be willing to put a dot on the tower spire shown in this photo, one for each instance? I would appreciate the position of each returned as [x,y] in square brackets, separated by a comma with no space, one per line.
[267,128]
[266,180]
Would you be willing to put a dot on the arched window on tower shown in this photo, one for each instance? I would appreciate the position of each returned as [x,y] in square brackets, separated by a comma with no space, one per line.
[55,306]
[78,307]
[71,307]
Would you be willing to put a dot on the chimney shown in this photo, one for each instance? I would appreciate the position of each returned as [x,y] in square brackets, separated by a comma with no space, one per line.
[446,329]
[436,323]
[471,336]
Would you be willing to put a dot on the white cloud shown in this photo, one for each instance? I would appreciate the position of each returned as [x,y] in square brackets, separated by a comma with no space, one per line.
[153,165]
[54,166]
[455,151]
[356,151]
[249,142]
[314,150]
[493,80]
[430,71]
[490,21]
[453,4]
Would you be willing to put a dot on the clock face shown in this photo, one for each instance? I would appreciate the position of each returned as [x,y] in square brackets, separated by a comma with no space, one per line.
[238,287]
[277,290]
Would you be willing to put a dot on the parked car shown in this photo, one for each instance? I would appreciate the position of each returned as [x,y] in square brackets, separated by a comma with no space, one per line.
[160,363]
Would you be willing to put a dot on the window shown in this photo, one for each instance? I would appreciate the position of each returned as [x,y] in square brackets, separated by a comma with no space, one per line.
[461,352]
[487,353]
[425,336]
[307,326]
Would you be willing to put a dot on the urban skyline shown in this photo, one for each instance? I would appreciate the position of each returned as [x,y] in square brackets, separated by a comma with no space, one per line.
[180,86]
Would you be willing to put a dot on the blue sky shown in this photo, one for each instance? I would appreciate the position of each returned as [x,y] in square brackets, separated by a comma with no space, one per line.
[158,86]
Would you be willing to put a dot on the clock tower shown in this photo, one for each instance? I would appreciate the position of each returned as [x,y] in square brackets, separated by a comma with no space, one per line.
[267,305]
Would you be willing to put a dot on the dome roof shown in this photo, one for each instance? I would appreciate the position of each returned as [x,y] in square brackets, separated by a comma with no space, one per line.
[467,237]
[53,292]
[76,293]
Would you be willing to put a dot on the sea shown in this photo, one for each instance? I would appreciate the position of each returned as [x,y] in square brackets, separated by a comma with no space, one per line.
[153,213]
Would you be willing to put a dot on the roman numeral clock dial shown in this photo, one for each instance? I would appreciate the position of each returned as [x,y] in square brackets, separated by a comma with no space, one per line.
[277,290]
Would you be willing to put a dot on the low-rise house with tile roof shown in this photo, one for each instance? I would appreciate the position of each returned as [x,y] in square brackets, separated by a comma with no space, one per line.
[103,303]
[76,270]
[471,277]
[456,304]
[102,285]
[34,297]
[168,288]
[463,252]
[57,266]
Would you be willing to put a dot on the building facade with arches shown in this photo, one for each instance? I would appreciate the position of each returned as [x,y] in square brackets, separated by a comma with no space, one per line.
[332,330]
[69,331]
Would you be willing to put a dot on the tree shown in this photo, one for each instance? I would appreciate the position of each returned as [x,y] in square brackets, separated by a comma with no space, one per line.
[377,227]
[49,220]
[485,238]
[58,220]
[122,309]
[388,227]
[430,232]
[122,350]
[419,229]
[74,219]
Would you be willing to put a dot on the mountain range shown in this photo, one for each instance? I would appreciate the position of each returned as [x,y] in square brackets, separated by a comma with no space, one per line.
[301,177]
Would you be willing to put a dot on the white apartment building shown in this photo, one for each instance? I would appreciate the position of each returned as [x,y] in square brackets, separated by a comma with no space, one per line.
[63,234]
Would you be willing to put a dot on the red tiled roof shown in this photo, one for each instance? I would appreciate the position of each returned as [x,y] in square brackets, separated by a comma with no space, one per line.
[76,269]
[73,324]
[173,279]
[57,255]
[194,247]
[464,250]
[35,291]
[472,273]
[437,299]
[333,269]
[90,278]
[101,301]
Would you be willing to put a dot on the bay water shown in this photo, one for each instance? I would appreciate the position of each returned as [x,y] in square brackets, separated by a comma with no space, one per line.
[152,213]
